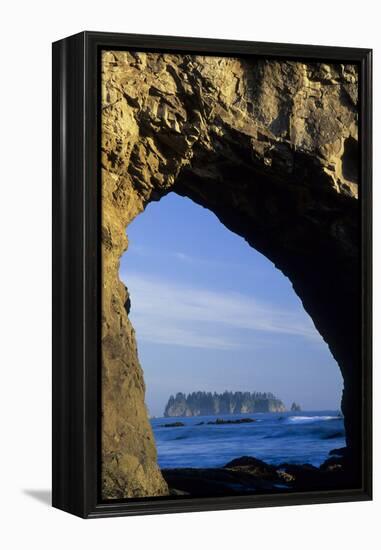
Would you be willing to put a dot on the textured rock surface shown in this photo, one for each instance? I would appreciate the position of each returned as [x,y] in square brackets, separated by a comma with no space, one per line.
[247,474]
[271,148]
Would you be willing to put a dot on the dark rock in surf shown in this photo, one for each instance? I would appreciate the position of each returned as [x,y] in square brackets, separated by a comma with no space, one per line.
[173,425]
[248,474]
[220,421]
[252,466]
[339,452]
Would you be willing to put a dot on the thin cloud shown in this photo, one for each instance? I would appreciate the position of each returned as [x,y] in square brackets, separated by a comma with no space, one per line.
[163,331]
[170,313]
[149,252]
[185,257]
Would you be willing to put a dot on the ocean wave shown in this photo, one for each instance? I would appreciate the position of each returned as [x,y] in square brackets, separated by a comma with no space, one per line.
[333,435]
[308,419]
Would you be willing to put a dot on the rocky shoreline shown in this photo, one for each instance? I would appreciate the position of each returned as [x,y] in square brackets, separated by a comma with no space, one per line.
[247,474]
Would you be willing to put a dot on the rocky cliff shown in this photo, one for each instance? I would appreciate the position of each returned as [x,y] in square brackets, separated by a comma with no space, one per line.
[207,403]
[271,148]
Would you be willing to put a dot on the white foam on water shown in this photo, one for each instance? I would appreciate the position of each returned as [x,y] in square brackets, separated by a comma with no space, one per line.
[306,419]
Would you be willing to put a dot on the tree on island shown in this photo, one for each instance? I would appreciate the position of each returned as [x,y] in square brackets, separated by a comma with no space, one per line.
[295,407]
[206,403]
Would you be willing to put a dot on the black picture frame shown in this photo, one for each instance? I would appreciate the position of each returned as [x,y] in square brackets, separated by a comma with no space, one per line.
[76,270]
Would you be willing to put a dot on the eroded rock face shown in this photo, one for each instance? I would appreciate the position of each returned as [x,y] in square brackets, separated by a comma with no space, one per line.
[271,148]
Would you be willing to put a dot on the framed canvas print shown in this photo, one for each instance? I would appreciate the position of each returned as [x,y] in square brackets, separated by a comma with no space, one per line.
[211,274]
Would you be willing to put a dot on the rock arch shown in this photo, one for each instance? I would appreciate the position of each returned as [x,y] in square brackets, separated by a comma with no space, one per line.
[270,147]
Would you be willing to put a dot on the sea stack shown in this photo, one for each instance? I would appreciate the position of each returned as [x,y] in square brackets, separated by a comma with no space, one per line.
[207,403]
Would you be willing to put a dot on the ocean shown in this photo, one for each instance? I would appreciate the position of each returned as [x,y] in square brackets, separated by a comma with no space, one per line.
[297,438]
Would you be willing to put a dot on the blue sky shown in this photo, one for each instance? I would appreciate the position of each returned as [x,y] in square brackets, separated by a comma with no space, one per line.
[211,313]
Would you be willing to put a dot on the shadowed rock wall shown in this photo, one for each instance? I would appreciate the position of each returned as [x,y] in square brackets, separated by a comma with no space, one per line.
[271,148]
